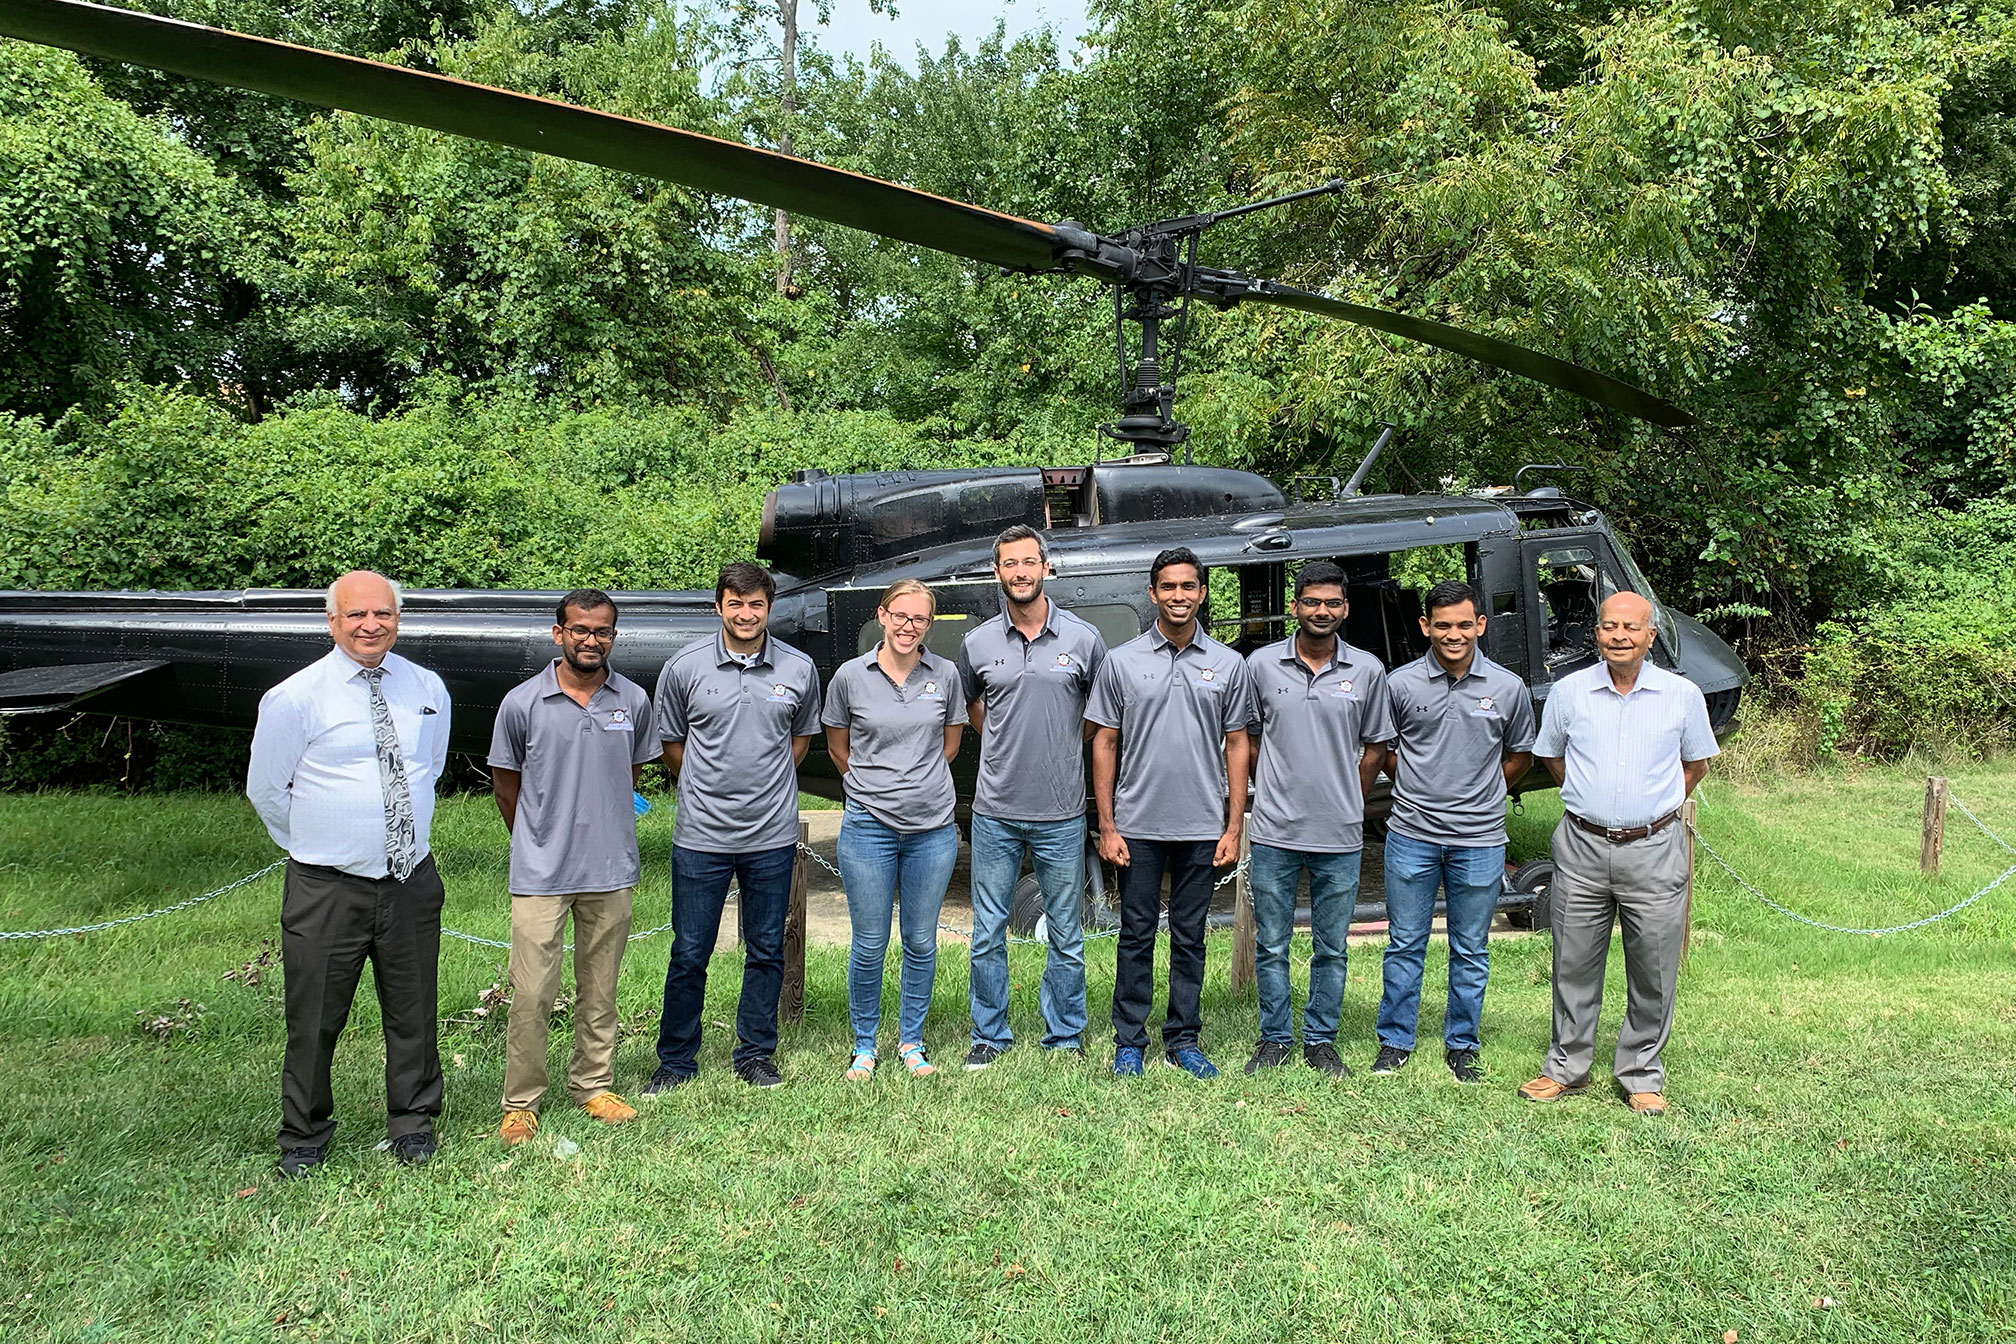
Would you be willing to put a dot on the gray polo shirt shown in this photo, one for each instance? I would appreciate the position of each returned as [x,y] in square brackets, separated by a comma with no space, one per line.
[1173,708]
[1313,729]
[1453,738]
[896,738]
[738,786]
[576,828]
[1032,762]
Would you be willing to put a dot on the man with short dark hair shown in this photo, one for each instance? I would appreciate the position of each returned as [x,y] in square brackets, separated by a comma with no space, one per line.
[1463,734]
[344,762]
[1320,722]
[1169,710]
[1628,741]
[1028,673]
[736,714]
[564,758]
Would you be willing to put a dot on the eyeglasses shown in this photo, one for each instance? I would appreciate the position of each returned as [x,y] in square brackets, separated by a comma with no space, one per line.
[1321,603]
[601,633]
[1033,563]
[898,621]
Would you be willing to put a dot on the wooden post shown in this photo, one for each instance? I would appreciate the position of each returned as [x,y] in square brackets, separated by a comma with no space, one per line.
[791,1003]
[1687,917]
[1243,975]
[1932,843]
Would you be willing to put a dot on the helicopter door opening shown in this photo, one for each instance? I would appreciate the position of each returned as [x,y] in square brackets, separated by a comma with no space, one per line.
[1570,580]
[1386,592]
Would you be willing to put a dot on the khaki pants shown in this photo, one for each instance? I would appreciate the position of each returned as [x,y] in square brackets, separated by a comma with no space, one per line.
[538,943]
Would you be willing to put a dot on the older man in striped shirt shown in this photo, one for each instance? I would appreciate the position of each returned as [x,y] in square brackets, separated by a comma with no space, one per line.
[1627,741]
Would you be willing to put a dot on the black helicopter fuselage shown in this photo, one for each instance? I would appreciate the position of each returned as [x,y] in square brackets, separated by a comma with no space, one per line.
[1541,562]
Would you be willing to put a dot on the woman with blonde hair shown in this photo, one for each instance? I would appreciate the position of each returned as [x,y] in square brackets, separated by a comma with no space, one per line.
[893,718]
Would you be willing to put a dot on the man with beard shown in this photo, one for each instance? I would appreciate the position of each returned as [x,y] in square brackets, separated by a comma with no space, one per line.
[1169,752]
[1320,721]
[1464,732]
[1627,741]
[344,762]
[736,714]
[1028,672]
[564,759]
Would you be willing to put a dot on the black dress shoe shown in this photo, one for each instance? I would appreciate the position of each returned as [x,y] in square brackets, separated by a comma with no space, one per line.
[296,1162]
[413,1150]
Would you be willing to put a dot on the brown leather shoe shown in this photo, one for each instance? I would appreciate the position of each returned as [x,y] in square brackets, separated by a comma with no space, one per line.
[609,1108]
[1648,1103]
[1544,1088]
[518,1127]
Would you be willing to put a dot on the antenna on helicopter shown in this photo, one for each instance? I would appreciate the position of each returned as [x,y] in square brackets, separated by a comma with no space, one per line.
[1378,447]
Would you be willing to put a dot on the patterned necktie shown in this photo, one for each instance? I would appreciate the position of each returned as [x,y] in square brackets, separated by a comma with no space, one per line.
[402,851]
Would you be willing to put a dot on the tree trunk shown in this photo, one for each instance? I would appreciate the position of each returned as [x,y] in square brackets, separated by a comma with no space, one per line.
[787,12]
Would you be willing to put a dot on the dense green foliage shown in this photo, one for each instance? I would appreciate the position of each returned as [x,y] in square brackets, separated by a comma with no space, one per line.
[253,343]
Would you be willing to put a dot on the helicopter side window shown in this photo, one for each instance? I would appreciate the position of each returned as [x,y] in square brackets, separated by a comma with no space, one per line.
[1572,583]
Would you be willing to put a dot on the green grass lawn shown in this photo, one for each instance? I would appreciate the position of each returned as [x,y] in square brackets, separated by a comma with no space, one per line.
[1843,1128]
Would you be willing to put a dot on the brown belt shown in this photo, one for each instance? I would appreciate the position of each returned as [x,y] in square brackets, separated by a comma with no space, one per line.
[1624,835]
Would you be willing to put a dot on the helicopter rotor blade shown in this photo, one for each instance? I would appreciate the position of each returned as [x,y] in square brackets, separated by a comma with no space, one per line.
[459,107]
[1227,289]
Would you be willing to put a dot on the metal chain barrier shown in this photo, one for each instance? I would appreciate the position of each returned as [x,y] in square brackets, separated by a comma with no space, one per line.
[245,881]
[1947,913]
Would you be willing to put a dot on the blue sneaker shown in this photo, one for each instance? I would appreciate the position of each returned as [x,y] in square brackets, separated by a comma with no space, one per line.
[1127,1062]
[1192,1061]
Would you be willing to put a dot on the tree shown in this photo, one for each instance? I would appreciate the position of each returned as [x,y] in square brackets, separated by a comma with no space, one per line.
[118,246]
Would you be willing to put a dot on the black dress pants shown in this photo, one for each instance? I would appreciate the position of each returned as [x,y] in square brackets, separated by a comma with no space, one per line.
[330,923]
[1188,865]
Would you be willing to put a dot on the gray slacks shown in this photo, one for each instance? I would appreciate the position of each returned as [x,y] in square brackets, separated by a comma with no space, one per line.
[330,923]
[1641,885]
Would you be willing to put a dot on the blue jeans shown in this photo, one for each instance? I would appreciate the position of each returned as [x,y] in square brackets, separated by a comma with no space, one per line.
[1471,877]
[1333,895]
[876,863]
[1058,850]
[699,890]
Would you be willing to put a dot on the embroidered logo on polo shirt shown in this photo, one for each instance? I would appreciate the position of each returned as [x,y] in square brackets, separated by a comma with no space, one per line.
[619,722]
[780,694]
[1484,702]
[1063,660]
[618,716]
[1206,675]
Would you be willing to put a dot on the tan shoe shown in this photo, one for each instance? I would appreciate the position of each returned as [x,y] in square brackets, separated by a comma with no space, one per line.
[1544,1088]
[1648,1103]
[518,1127]
[609,1108]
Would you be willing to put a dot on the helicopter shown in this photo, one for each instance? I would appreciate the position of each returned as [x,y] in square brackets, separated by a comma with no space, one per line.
[1542,561]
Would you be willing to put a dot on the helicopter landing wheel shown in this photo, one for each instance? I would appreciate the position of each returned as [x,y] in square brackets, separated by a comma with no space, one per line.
[1534,878]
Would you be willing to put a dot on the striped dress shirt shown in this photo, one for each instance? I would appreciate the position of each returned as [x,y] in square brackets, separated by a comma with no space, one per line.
[1622,753]
[314,775]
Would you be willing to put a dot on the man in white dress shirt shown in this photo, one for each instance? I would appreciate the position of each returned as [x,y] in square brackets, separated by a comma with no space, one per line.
[344,763]
[1627,741]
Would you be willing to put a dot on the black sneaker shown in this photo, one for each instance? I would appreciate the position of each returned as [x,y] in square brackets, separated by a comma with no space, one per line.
[413,1150]
[981,1055]
[1322,1057]
[1268,1055]
[757,1072]
[1465,1065]
[665,1080]
[296,1162]
[1390,1059]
